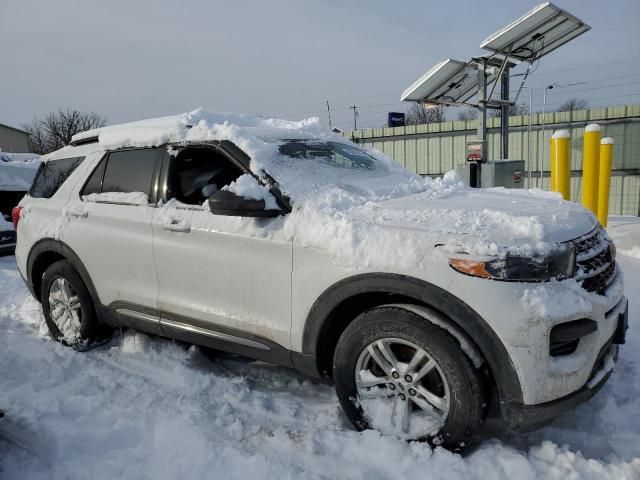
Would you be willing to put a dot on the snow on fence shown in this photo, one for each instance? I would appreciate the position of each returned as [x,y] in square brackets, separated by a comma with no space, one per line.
[436,148]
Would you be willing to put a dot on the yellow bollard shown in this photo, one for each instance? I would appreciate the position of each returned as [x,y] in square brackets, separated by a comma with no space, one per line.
[561,163]
[604,184]
[590,171]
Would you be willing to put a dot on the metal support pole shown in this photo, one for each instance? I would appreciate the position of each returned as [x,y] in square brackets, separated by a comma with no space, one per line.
[482,105]
[529,132]
[604,183]
[544,143]
[560,163]
[590,167]
[504,114]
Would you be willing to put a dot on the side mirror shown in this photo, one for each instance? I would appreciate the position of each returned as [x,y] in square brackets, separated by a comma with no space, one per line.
[224,202]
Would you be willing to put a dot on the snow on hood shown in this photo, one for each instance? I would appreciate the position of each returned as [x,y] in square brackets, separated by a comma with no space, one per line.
[392,218]
[445,218]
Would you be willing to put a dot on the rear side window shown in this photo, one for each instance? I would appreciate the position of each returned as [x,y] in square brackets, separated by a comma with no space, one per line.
[51,175]
[94,184]
[130,171]
[124,172]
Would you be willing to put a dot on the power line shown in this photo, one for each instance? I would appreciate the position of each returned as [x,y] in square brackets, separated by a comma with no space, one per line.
[355,116]
[278,110]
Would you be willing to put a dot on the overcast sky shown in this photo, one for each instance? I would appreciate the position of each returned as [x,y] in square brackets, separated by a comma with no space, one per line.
[132,59]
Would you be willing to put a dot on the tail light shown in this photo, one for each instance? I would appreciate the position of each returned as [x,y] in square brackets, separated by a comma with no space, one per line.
[15,216]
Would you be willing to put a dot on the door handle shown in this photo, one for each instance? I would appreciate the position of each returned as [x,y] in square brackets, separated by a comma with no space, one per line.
[177,227]
[78,213]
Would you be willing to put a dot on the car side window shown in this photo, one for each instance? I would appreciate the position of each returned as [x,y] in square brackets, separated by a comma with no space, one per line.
[51,175]
[197,173]
[130,171]
[124,171]
[94,184]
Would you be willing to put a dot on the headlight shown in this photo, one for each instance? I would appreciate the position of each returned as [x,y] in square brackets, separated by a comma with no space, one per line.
[559,264]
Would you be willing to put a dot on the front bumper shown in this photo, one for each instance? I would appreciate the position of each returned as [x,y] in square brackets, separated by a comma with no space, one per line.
[524,418]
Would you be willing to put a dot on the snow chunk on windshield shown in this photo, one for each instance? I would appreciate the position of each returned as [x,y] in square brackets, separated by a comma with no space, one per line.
[246,186]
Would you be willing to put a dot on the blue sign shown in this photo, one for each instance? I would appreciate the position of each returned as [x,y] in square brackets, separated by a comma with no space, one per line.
[395,119]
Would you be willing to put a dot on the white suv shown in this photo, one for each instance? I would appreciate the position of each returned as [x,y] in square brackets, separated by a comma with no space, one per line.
[425,302]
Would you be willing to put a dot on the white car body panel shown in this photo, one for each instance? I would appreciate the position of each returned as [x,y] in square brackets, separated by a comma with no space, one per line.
[199,277]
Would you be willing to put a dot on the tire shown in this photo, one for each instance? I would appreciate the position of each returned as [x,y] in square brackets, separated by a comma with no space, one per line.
[451,379]
[81,331]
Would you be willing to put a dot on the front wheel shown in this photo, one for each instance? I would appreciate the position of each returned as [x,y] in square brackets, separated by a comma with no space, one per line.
[397,373]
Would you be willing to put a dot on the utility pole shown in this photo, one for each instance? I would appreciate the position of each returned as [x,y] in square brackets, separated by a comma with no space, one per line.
[355,116]
[329,113]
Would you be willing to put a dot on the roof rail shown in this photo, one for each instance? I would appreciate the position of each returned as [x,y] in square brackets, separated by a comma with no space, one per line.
[83,141]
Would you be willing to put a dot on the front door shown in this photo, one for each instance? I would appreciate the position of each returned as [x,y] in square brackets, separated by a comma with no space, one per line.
[219,273]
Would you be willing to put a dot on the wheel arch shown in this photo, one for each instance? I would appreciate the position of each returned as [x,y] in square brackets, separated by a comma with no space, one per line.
[46,252]
[341,303]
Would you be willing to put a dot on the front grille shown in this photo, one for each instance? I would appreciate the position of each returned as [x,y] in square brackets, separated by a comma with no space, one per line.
[595,263]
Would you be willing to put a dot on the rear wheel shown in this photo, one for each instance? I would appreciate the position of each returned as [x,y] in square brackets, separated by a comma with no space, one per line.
[397,373]
[68,308]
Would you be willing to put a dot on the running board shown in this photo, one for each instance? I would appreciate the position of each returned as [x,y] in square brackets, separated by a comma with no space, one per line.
[213,334]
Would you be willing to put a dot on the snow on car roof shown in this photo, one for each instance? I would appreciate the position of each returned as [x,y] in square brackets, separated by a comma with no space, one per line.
[201,125]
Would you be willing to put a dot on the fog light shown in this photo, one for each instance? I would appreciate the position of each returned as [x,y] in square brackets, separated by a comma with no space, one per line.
[564,338]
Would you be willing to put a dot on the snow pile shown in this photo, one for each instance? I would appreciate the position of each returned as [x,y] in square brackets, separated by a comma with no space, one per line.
[8,179]
[547,301]
[382,416]
[24,160]
[5,224]
[246,186]
[17,170]
[632,252]
[129,198]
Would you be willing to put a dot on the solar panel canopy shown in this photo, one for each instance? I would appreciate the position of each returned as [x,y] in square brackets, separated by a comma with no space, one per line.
[449,82]
[536,33]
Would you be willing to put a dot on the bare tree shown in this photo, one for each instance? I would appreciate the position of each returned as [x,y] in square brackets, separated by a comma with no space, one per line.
[472,113]
[573,104]
[520,109]
[418,114]
[468,114]
[55,129]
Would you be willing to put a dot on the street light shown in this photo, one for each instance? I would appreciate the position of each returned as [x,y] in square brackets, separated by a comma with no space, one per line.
[544,119]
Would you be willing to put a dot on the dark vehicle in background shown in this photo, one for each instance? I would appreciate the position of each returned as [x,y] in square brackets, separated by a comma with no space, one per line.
[16,175]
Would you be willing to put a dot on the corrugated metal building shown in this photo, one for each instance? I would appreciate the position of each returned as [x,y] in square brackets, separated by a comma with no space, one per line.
[437,148]
[13,139]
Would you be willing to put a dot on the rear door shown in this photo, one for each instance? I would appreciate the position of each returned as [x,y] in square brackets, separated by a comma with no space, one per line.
[110,228]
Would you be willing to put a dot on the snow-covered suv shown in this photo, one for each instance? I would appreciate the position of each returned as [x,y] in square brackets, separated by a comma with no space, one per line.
[425,302]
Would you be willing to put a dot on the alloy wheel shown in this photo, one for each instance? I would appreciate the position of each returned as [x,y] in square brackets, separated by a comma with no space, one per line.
[65,309]
[401,389]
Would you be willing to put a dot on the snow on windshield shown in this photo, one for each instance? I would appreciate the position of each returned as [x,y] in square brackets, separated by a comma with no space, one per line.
[305,167]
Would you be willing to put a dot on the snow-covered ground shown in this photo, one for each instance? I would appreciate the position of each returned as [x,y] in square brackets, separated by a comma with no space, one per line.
[142,407]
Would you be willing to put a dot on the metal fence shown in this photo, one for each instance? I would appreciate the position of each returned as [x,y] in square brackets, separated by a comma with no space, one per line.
[436,148]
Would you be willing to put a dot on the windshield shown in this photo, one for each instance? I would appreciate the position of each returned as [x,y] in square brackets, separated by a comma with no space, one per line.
[332,154]
[304,167]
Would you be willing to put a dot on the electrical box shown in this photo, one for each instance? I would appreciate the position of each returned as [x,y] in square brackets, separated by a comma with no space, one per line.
[495,173]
